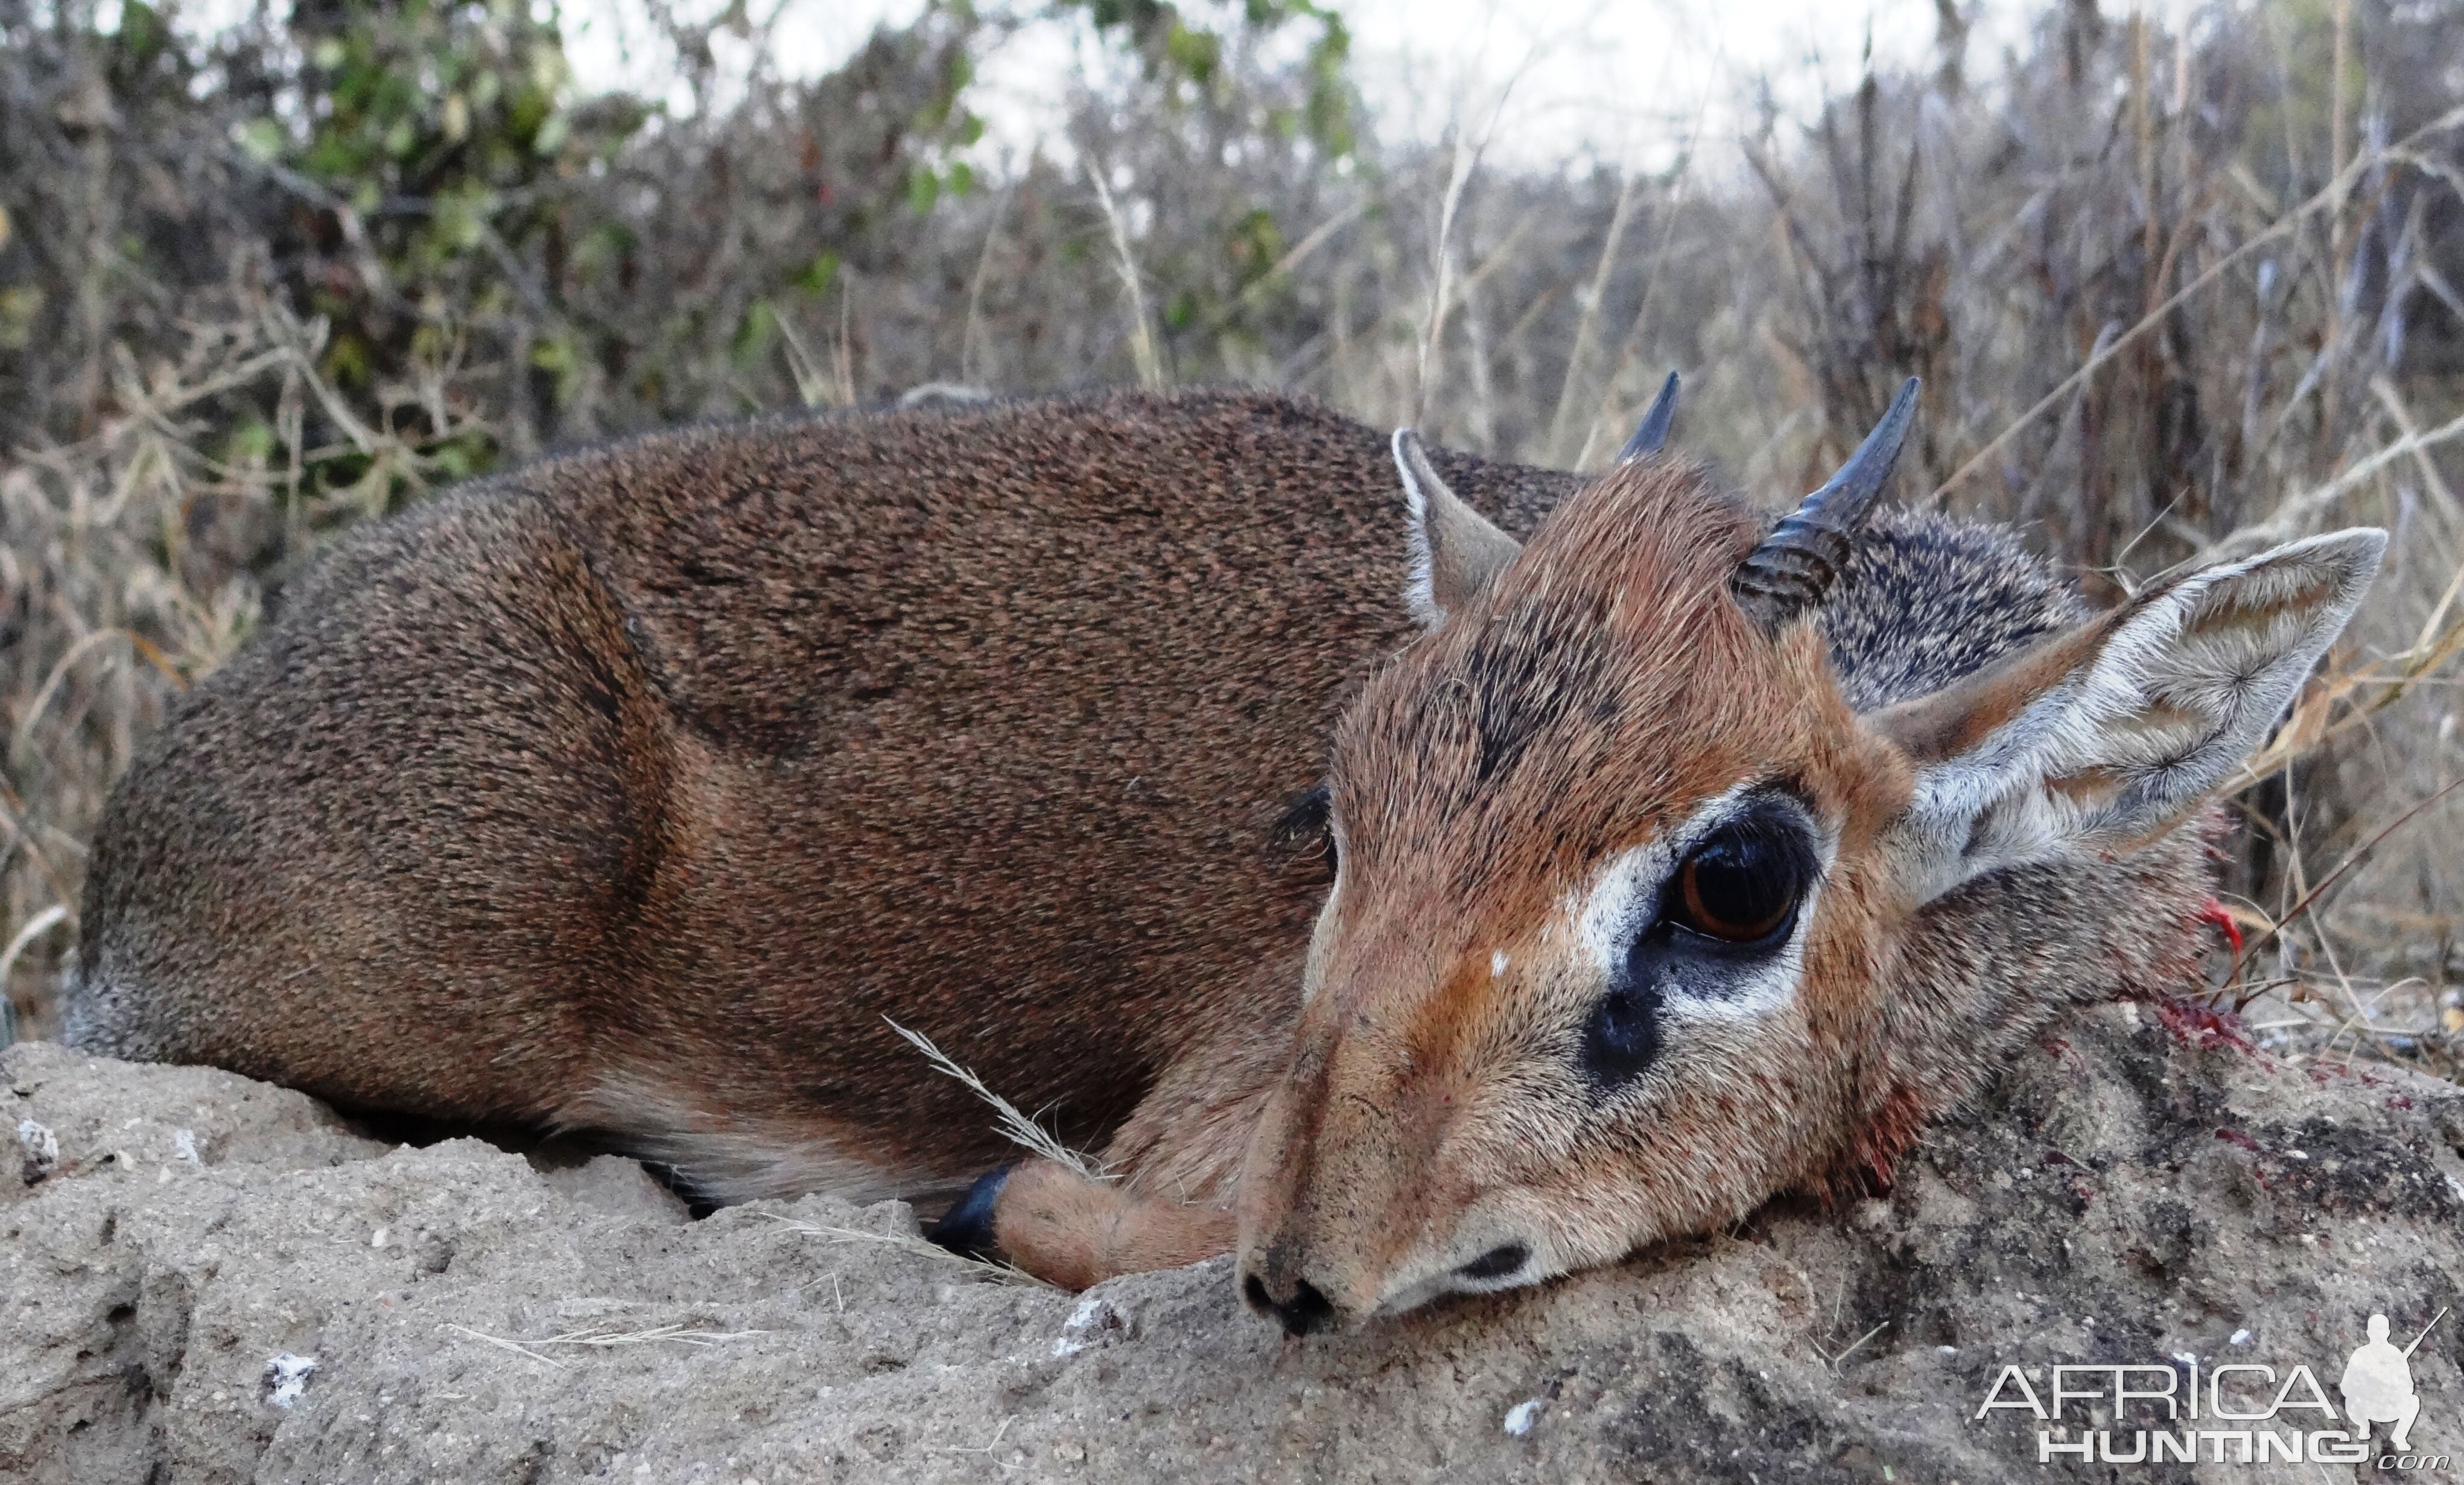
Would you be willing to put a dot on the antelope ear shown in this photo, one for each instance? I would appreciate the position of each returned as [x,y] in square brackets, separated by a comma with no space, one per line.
[2098,740]
[1455,551]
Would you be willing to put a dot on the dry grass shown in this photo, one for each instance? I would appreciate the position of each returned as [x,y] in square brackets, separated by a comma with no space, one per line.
[1016,1126]
[2172,294]
[601,1339]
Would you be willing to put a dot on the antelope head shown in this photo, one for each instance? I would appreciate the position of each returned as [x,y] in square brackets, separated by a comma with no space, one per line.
[1625,889]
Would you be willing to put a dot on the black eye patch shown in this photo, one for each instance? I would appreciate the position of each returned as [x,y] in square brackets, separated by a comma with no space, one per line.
[1731,903]
[1622,1035]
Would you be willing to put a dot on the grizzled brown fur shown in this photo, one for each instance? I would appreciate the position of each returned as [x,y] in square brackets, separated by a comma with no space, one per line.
[685,761]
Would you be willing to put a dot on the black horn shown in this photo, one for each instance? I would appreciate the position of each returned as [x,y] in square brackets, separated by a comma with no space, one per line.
[1786,577]
[1653,430]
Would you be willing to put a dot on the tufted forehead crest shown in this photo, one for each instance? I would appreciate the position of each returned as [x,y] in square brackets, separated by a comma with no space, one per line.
[1612,642]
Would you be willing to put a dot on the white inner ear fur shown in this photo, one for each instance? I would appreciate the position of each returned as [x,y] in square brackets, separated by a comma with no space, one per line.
[1420,588]
[2126,745]
[1622,900]
[1455,549]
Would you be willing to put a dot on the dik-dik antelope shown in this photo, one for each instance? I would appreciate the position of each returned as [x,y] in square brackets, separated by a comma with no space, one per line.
[1663,863]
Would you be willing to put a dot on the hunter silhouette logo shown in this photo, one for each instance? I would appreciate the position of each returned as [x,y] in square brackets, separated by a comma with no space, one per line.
[2238,1412]
[2378,1385]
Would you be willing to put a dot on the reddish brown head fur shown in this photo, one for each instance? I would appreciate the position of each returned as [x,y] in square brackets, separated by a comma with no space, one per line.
[1561,722]
[1524,1051]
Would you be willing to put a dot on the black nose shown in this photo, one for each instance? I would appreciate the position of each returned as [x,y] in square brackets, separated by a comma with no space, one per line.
[1307,1310]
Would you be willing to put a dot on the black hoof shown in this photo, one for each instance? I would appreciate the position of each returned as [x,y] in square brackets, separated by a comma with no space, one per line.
[967,1228]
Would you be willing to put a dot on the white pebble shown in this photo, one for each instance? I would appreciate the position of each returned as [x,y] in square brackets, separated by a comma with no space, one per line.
[1520,1417]
[42,1146]
[289,1374]
[2239,1337]
[1088,1326]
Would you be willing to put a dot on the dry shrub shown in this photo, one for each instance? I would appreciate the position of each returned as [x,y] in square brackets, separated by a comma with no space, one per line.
[2172,293]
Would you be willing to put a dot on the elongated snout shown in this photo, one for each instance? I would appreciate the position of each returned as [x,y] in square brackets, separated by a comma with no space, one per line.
[1296,1268]
[1306,1288]
[1319,1186]
[1348,1205]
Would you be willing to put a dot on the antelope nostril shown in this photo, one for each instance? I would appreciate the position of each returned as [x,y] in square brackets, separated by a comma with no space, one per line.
[1254,1290]
[1308,1308]
[1497,1262]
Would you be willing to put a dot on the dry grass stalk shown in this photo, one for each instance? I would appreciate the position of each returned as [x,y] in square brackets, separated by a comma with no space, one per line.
[600,1339]
[1142,348]
[1015,1125]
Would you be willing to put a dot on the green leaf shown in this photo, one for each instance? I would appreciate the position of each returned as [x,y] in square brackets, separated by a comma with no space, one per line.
[1257,246]
[556,355]
[346,362]
[262,139]
[141,31]
[251,443]
[753,337]
[819,274]
[1197,54]
[18,309]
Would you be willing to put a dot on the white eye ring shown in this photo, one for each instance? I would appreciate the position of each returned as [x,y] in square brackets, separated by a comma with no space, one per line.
[1623,900]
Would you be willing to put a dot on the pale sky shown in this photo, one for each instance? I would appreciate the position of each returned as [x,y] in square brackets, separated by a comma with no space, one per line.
[1629,81]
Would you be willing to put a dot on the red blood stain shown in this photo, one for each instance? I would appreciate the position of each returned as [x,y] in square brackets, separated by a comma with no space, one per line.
[2213,910]
[2205,1025]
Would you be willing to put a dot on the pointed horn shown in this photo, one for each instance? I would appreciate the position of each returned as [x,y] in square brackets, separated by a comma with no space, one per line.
[1787,576]
[1653,430]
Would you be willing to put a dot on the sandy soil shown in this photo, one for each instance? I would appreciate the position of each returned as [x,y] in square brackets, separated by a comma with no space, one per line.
[207,1278]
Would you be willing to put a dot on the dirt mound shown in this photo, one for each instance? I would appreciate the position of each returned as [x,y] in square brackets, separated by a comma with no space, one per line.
[207,1278]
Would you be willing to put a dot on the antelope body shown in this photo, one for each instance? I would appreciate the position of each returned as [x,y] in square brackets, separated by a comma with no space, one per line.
[1675,863]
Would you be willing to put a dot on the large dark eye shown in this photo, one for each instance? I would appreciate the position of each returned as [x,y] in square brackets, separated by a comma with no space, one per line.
[1306,832]
[1741,885]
